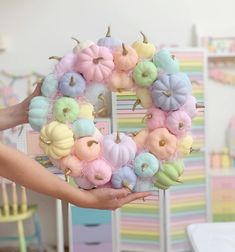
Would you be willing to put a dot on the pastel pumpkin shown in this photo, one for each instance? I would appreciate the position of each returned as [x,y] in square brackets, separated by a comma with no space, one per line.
[144,49]
[87,148]
[66,109]
[187,81]
[190,106]
[71,166]
[184,146]
[144,185]
[83,182]
[83,127]
[109,42]
[81,45]
[86,111]
[140,139]
[146,165]
[56,140]
[98,135]
[161,143]
[144,73]
[143,97]
[178,123]
[95,91]
[95,63]
[72,84]
[120,81]
[125,58]
[124,177]
[155,118]
[169,92]
[166,61]
[119,149]
[38,112]
[49,86]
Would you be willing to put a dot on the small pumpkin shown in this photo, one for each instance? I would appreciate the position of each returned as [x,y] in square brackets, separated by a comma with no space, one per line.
[109,42]
[190,106]
[87,148]
[120,81]
[83,182]
[83,127]
[71,166]
[66,109]
[146,165]
[86,111]
[155,118]
[144,49]
[81,45]
[125,58]
[187,81]
[161,143]
[144,73]
[178,123]
[169,92]
[119,149]
[140,139]
[56,140]
[143,97]
[166,61]
[95,63]
[49,86]
[185,145]
[72,84]
[38,112]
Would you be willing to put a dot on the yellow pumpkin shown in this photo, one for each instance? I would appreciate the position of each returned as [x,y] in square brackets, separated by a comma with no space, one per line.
[86,111]
[144,49]
[56,139]
[143,97]
[185,145]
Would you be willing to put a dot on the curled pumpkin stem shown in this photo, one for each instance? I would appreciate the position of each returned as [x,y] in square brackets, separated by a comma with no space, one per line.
[137,102]
[181,125]
[124,50]
[144,166]
[45,141]
[145,40]
[147,116]
[126,185]
[120,90]
[78,42]
[98,177]
[89,143]
[167,93]
[67,172]
[118,139]
[97,60]
[108,34]
[55,57]
[72,81]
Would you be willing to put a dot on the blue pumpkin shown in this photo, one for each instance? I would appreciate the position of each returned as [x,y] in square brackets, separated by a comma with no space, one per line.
[72,84]
[49,86]
[166,61]
[83,128]
[146,165]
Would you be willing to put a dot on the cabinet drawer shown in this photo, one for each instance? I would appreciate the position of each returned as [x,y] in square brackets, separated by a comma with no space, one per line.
[93,247]
[92,233]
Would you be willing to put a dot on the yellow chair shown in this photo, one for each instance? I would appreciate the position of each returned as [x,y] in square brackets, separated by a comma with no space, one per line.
[18,212]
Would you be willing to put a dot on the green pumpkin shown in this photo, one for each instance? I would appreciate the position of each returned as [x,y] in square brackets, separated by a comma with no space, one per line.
[49,86]
[145,73]
[66,109]
[38,112]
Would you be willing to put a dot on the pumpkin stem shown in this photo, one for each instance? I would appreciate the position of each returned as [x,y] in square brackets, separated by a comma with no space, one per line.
[118,139]
[72,81]
[96,60]
[194,150]
[124,52]
[101,97]
[76,40]
[181,125]
[66,110]
[167,93]
[120,90]
[145,40]
[45,141]
[137,102]
[97,177]
[162,142]
[198,105]
[179,180]
[144,74]
[173,57]
[144,166]
[67,172]
[125,184]
[147,116]
[55,57]
[108,34]
[89,143]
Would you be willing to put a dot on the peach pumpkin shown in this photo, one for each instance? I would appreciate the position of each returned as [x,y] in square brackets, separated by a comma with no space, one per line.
[71,166]
[120,81]
[140,139]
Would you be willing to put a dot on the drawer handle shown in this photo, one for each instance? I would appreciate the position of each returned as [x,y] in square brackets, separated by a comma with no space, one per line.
[91,225]
[92,243]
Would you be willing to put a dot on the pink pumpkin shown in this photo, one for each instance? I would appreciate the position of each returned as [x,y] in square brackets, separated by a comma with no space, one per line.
[155,118]
[140,139]
[178,123]
[120,81]
[87,148]
[71,166]
[83,182]
[190,106]
[95,63]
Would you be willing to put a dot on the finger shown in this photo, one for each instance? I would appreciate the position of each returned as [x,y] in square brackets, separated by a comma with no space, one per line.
[37,90]
[134,196]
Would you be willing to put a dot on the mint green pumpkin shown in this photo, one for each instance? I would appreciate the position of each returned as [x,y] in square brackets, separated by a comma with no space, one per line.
[145,73]
[49,86]
[38,112]
[66,109]
[83,128]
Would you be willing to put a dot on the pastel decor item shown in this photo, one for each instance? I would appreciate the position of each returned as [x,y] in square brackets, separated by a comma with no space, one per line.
[161,143]
[83,182]
[178,123]
[71,166]
[124,177]
[144,48]
[86,111]
[65,109]
[109,42]
[185,145]
[95,63]
[72,84]
[56,139]
[190,106]
[169,174]
[187,80]
[38,112]
[49,86]
[125,58]
[119,149]
[144,185]
[169,92]
[143,98]
[87,148]
[94,92]
[81,45]
[146,165]
[140,139]
[83,127]
[166,61]
[98,135]
[120,81]
[155,118]
[98,172]
[144,73]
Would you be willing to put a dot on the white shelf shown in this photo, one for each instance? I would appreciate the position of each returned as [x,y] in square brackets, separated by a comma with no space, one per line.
[222,172]
[221,55]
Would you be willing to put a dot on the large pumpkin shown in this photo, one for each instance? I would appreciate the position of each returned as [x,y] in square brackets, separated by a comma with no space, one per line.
[56,140]
[120,81]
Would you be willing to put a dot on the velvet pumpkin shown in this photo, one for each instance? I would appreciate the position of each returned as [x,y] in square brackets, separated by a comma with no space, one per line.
[190,106]
[66,109]
[83,127]
[87,148]
[144,48]
[81,45]
[178,123]
[155,118]
[143,97]
[119,149]
[161,143]
[83,182]
[125,58]
[184,145]
[169,92]
[144,73]
[72,84]
[146,165]
[49,86]
[120,81]
[38,112]
[95,63]
[86,111]
[140,139]
[71,166]
[56,140]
